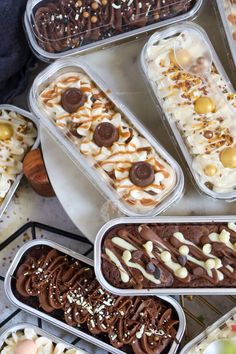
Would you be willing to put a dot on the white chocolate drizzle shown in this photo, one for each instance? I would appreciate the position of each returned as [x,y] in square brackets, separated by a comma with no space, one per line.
[122,243]
[123,274]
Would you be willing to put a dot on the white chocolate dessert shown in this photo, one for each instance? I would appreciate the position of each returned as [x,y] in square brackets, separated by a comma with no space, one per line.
[230,12]
[28,342]
[17,135]
[207,127]
[226,331]
[126,161]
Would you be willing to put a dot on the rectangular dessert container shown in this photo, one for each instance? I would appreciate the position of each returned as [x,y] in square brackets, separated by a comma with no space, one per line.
[171,121]
[158,220]
[6,333]
[188,348]
[8,285]
[227,11]
[16,183]
[87,164]
[47,48]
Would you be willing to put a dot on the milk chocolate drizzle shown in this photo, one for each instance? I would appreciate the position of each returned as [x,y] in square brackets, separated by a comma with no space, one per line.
[59,282]
[66,24]
[183,255]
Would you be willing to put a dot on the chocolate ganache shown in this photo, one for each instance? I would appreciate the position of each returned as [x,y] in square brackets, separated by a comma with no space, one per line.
[170,255]
[65,24]
[67,289]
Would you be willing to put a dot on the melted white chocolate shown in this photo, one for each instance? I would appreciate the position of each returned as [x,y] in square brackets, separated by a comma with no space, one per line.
[123,274]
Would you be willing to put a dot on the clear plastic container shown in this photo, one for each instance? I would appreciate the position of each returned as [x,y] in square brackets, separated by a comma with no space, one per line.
[170,256]
[213,332]
[65,27]
[108,164]
[10,180]
[201,136]
[81,332]
[227,9]
[59,345]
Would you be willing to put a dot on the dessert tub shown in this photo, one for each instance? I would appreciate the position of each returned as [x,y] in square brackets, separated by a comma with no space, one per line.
[59,286]
[70,27]
[19,133]
[224,328]
[167,255]
[105,140]
[198,111]
[227,9]
[44,341]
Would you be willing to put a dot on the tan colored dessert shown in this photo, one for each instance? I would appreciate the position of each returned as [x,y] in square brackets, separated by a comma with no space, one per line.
[126,160]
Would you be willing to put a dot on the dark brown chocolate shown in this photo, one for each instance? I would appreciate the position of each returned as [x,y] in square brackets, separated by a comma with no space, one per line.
[142,174]
[105,134]
[67,289]
[65,24]
[72,99]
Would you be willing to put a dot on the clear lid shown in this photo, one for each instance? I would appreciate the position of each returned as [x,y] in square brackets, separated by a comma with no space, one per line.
[60,25]
[200,106]
[105,140]
[227,9]
[216,338]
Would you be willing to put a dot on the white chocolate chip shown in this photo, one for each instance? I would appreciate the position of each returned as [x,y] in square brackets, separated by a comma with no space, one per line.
[232,226]
[181,273]
[126,256]
[207,248]
[184,250]
[210,264]
[224,236]
[148,246]
[165,256]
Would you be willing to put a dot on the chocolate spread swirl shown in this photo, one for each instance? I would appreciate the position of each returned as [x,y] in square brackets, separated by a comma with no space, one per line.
[65,24]
[170,255]
[64,287]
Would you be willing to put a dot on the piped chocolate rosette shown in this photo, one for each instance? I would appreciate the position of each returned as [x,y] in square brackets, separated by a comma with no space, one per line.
[126,161]
[206,124]
[67,289]
[170,256]
[17,135]
[66,24]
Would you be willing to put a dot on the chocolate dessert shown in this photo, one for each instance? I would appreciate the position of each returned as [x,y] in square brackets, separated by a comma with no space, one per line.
[61,25]
[67,289]
[170,256]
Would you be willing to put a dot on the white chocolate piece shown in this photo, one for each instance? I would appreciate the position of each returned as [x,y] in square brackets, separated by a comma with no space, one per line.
[210,264]
[165,256]
[181,273]
[184,250]
[232,226]
[206,249]
[122,243]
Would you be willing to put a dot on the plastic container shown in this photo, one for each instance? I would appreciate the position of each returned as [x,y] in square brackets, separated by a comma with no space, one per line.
[188,348]
[6,333]
[91,166]
[79,38]
[17,180]
[159,220]
[76,331]
[227,11]
[173,118]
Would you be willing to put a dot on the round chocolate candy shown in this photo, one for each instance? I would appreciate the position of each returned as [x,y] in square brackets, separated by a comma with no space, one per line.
[142,174]
[228,157]
[182,260]
[210,170]
[105,134]
[72,99]
[150,268]
[208,134]
[204,105]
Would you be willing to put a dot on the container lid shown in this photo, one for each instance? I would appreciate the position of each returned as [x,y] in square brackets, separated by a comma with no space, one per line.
[60,25]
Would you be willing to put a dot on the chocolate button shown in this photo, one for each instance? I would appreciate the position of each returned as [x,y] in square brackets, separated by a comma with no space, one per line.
[142,174]
[72,99]
[182,260]
[105,134]
[150,268]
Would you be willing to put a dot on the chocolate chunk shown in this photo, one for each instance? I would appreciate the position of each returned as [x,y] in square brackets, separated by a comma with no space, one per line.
[72,99]
[137,255]
[208,134]
[142,174]
[157,273]
[198,271]
[150,267]
[105,134]
[182,260]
